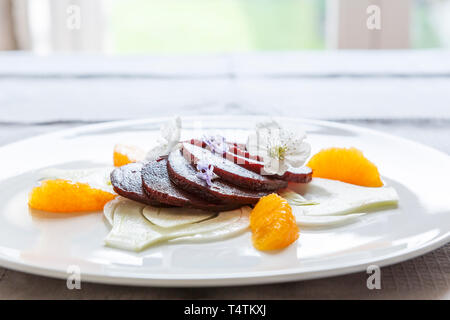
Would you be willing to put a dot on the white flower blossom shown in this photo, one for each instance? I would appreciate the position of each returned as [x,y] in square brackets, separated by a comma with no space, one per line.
[170,137]
[280,148]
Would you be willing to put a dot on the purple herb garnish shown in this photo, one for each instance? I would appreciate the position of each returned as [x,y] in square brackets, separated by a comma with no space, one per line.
[217,144]
[205,171]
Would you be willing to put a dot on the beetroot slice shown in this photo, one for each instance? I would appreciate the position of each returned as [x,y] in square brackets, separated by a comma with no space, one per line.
[299,175]
[126,181]
[183,174]
[247,163]
[237,155]
[201,143]
[231,172]
[157,184]
[254,163]
[236,149]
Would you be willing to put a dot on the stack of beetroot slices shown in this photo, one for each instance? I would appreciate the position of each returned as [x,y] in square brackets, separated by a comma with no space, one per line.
[174,180]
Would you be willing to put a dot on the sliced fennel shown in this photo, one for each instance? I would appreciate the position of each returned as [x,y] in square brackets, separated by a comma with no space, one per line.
[294,199]
[309,221]
[132,231]
[230,230]
[110,207]
[340,198]
[321,203]
[174,217]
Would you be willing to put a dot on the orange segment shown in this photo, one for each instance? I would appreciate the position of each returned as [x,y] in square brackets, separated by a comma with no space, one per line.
[347,165]
[273,224]
[125,154]
[66,196]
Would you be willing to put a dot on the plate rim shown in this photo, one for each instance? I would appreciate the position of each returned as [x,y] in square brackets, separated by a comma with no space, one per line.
[259,277]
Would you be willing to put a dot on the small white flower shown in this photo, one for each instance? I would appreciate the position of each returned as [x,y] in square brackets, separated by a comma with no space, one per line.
[170,137]
[280,148]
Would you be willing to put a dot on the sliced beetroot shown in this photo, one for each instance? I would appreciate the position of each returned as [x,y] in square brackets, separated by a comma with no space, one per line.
[183,174]
[237,150]
[126,181]
[236,153]
[230,171]
[247,163]
[157,184]
[300,175]
[233,148]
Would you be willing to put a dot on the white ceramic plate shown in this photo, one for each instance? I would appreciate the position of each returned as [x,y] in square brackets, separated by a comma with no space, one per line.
[49,246]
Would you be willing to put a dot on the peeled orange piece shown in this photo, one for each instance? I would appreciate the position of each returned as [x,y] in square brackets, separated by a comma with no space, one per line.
[272,223]
[346,165]
[125,154]
[66,196]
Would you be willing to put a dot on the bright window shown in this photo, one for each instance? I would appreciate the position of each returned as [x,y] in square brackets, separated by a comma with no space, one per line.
[140,26]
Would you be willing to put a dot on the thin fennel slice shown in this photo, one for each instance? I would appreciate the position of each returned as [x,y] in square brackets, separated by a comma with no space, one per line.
[109,208]
[132,231]
[295,199]
[339,198]
[174,217]
[314,221]
[233,229]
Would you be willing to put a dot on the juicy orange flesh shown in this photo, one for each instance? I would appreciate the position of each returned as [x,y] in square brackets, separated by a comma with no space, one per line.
[272,223]
[346,165]
[66,196]
[125,154]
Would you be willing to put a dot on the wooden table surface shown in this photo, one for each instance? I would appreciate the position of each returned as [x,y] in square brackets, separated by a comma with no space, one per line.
[406,93]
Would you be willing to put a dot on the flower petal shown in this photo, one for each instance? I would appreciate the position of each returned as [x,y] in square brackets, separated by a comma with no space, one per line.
[156,152]
[298,157]
[280,148]
[170,137]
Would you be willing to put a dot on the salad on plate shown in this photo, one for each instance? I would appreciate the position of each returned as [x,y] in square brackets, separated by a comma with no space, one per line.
[210,188]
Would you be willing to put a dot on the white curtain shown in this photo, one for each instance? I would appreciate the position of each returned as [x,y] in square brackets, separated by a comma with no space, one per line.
[45,26]
[7,38]
[368,24]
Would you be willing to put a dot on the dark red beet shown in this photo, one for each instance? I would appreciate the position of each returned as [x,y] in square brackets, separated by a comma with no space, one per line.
[183,174]
[157,184]
[256,164]
[236,150]
[299,175]
[231,172]
[233,148]
[126,181]
[203,144]
[247,163]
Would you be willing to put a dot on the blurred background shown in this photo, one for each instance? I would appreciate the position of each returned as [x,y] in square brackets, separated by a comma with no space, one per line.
[216,26]
[382,64]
